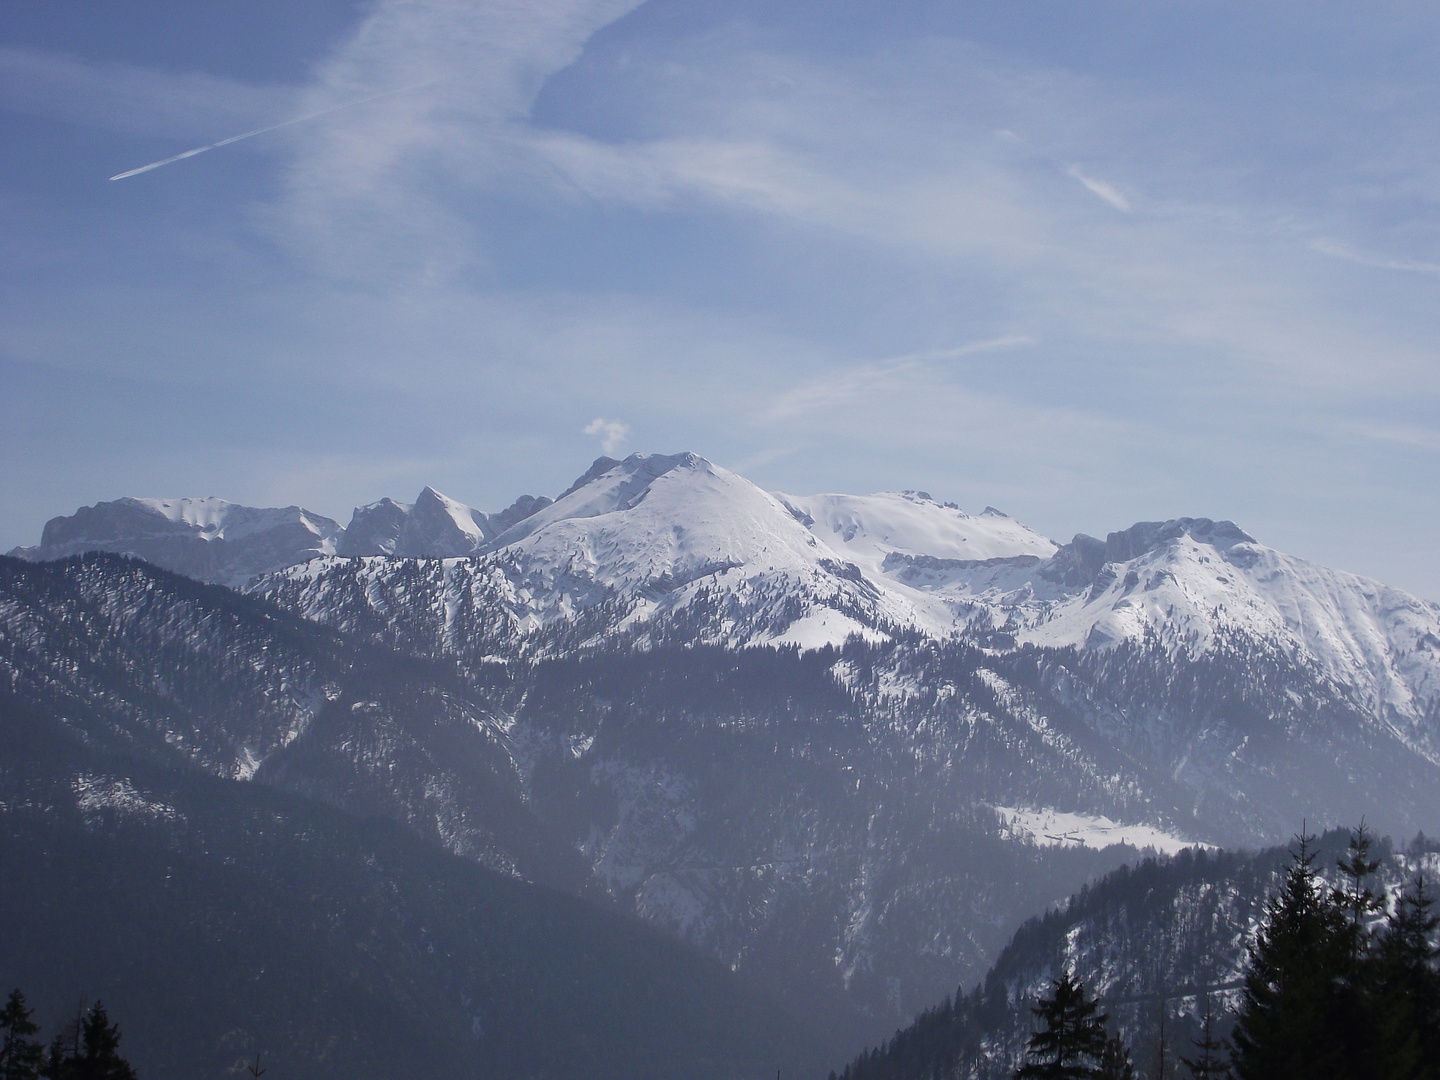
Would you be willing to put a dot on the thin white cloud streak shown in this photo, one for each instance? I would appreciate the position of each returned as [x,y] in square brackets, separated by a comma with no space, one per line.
[1337,250]
[1397,434]
[834,388]
[1100,188]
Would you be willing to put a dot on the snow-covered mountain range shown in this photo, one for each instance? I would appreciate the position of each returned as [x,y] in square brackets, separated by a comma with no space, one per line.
[928,683]
[661,538]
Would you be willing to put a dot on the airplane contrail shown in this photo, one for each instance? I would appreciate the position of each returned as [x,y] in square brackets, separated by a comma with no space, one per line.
[259,131]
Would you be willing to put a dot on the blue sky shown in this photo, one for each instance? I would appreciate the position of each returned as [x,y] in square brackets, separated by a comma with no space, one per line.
[1090,263]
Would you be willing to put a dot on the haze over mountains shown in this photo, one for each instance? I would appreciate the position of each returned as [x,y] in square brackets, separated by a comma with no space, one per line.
[842,744]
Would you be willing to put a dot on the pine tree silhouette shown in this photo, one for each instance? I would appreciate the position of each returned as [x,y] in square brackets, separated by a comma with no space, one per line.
[20,1053]
[64,1049]
[1358,898]
[1209,1063]
[1072,1043]
[100,1055]
[1292,1015]
[1407,984]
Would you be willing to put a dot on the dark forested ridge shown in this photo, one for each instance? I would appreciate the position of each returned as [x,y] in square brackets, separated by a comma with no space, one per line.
[229,918]
[1159,946]
[316,917]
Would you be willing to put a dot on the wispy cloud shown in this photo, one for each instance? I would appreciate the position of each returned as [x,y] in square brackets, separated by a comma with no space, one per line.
[1396,433]
[1337,250]
[709,230]
[382,186]
[1100,188]
[140,100]
[836,388]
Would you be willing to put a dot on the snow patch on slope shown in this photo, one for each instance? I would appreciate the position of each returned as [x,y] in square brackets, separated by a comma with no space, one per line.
[821,628]
[1048,827]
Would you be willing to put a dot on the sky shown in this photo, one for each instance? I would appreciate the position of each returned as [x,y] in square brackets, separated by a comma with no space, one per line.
[1089,263]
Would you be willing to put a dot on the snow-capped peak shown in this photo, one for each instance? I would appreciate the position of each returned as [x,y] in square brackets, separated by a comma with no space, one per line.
[660,518]
[608,487]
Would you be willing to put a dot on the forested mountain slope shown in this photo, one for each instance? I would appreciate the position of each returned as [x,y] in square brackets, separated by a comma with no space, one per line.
[1164,938]
[859,828]
[218,919]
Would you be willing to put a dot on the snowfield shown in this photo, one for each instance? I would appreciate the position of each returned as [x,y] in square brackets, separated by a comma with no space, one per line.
[1055,828]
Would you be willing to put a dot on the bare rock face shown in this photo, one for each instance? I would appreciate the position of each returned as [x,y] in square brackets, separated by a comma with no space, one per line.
[226,543]
[207,539]
[434,526]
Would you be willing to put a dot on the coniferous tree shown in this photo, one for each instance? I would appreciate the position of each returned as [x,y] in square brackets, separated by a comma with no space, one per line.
[1407,984]
[1358,898]
[89,1049]
[1162,1042]
[100,1053]
[58,1065]
[1115,1063]
[20,1053]
[1209,1060]
[1373,1036]
[1072,1042]
[1293,1012]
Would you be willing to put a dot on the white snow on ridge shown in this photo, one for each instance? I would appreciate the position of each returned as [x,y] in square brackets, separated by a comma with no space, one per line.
[1189,592]
[657,530]
[461,516]
[95,794]
[1056,828]
[218,519]
[866,528]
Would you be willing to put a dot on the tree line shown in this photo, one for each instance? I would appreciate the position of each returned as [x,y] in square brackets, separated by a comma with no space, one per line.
[1338,984]
[87,1048]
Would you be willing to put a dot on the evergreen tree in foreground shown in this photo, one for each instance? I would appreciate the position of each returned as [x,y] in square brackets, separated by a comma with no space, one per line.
[1292,1012]
[1072,1044]
[1407,984]
[92,1051]
[20,1052]
[1358,899]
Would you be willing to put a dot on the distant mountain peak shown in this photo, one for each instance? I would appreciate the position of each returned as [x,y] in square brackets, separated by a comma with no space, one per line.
[209,539]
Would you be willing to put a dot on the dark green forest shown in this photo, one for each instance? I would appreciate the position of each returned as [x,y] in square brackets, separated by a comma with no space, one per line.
[1341,981]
